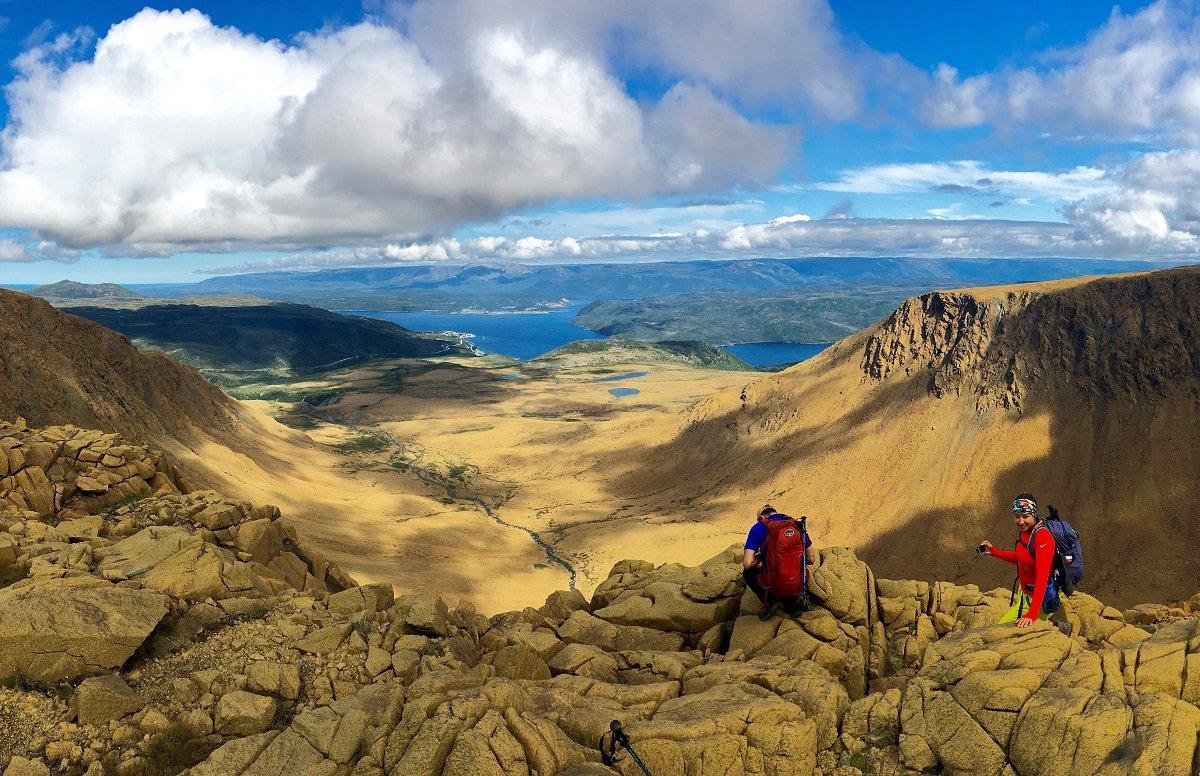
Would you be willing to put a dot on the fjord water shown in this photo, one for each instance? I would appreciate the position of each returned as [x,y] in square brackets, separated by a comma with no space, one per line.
[774,353]
[520,335]
[530,334]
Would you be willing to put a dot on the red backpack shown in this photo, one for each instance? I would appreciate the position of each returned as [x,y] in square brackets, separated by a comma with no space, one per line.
[784,558]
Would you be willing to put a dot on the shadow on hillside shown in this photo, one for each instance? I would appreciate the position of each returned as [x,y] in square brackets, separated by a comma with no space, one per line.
[1122,471]
[1124,476]
[708,454]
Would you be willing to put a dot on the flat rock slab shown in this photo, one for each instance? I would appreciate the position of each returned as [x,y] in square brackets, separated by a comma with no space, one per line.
[103,698]
[61,629]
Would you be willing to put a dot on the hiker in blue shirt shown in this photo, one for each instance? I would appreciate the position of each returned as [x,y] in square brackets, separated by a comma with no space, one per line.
[754,561]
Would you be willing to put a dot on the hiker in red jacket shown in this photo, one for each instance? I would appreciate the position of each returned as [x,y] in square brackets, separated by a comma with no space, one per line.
[1034,565]
[777,535]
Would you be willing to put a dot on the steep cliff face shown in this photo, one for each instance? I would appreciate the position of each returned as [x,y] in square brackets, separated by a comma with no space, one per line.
[57,368]
[1126,338]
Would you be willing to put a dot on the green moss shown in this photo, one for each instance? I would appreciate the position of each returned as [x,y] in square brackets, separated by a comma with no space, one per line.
[299,421]
[883,737]
[363,442]
[175,750]
[132,498]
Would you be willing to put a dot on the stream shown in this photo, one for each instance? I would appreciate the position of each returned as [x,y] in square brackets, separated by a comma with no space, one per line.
[551,554]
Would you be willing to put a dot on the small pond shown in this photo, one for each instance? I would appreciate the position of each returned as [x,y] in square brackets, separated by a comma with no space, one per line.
[624,376]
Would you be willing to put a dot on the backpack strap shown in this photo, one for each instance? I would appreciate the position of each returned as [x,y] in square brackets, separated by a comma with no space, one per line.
[1031,547]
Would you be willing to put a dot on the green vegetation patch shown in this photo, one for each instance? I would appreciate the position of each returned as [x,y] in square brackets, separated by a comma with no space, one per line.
[363,442]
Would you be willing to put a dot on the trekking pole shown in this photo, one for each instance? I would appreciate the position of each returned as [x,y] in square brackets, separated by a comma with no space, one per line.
[615,740]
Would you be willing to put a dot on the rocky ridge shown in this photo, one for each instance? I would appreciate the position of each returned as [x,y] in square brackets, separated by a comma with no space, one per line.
[147,630]
[1109,337]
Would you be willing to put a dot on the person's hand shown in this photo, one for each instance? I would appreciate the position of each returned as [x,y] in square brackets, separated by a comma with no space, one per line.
[1024,622]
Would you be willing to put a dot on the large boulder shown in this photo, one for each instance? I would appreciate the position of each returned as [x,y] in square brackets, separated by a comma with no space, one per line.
[61,629]
[583,628]
[135,555]
[840,648]
[19,766]
[174,561]
[844,585]
[719,730]
[673,597]
[800,682]
[990,698]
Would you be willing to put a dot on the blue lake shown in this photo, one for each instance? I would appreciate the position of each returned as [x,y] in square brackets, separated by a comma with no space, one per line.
[620,377]
[529,335]
[520,335]
[619,392]
[774,353]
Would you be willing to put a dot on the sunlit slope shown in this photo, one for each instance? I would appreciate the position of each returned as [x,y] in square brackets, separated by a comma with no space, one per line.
[909,439]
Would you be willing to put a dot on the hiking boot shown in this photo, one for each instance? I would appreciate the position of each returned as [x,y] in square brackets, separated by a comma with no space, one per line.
[768,609]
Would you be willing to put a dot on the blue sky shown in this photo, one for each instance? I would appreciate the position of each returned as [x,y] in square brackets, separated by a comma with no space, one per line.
[161,144]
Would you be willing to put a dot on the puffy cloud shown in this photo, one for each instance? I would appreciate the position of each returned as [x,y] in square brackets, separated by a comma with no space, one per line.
[758,52]
[1155,206]
[953,103]
[13,250]
[176,134]
[690,130]
[1138,74]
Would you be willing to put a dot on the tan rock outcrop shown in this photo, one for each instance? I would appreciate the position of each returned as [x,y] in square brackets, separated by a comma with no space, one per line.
[225,632]
[60,629]
[244,713]
[104,698]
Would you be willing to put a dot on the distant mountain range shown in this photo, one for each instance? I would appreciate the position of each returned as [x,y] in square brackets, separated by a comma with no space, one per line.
[509,286]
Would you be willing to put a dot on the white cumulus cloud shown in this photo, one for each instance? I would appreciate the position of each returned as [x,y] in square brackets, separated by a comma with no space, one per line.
[1137,75]
[1155,206]
[786,53]
[176,134]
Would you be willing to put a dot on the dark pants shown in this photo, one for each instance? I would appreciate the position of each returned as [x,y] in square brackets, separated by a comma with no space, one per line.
[790,603]
[751,577]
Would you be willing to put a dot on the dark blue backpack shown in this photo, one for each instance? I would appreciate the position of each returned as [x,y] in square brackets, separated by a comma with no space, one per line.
[1066,543]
